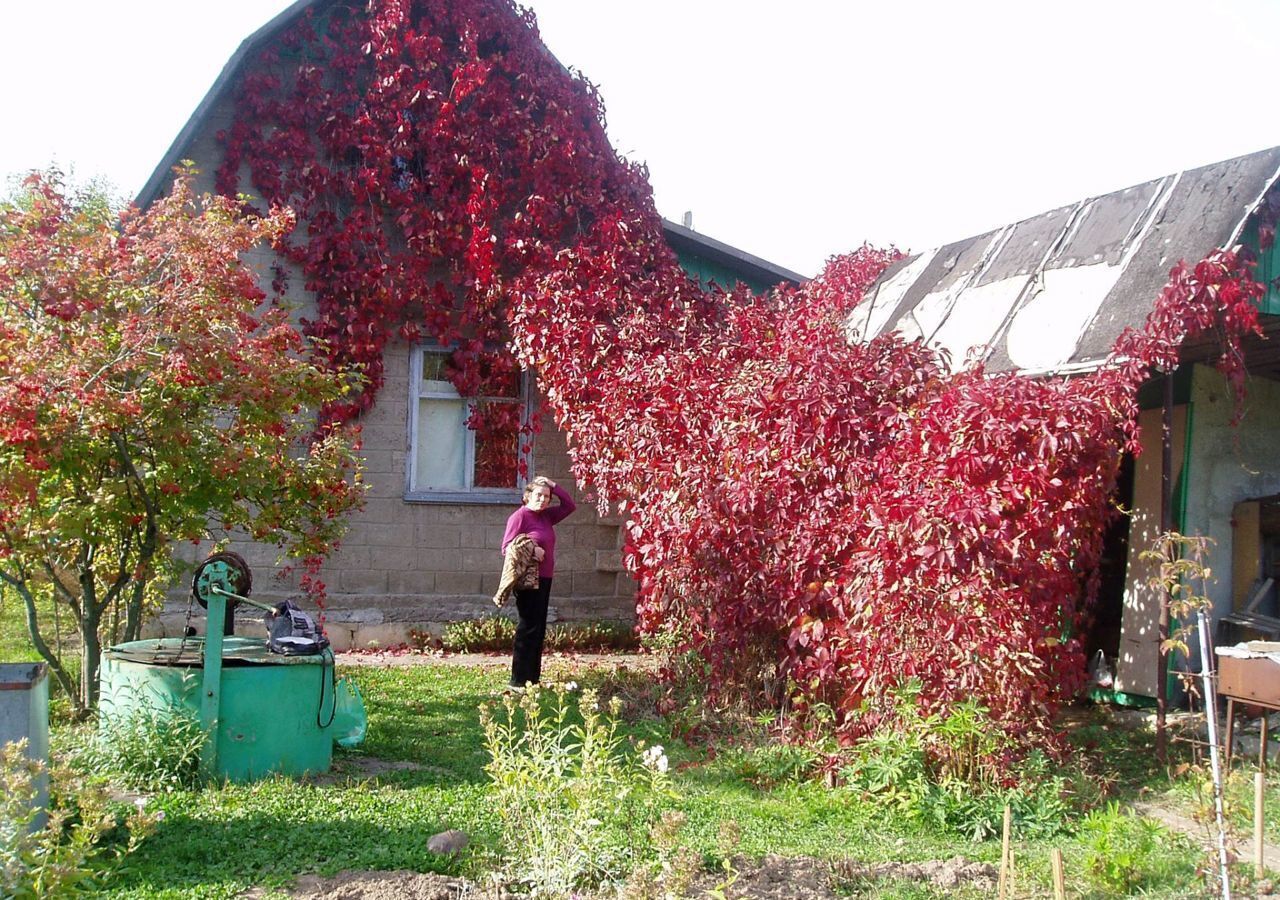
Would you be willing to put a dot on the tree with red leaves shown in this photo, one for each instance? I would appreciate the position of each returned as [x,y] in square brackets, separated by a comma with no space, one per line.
[147,392]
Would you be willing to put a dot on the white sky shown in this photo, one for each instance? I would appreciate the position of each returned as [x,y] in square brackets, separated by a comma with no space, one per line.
[791,130]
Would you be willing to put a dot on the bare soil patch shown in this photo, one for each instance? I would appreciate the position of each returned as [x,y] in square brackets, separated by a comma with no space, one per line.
[772,878]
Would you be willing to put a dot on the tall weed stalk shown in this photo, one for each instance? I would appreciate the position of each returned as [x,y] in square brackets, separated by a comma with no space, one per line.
[79,846]
[576,806]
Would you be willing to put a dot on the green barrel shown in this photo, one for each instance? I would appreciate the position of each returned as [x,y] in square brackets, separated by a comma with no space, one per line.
[274,714]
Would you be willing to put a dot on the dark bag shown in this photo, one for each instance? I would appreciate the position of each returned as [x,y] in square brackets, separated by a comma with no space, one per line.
[291,632]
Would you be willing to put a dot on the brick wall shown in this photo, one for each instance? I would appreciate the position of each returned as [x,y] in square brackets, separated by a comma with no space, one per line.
[418,565]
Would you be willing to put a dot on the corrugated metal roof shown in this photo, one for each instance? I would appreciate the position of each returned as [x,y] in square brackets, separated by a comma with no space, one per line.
[1051,294]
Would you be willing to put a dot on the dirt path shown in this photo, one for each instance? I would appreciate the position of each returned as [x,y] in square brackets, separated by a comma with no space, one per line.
[772,878]
[1176,821]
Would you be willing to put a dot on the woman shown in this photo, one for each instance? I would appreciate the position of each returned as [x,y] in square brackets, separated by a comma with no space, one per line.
[536,518]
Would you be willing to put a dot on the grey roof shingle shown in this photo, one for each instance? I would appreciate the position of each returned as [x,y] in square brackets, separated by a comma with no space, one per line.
[1053,292]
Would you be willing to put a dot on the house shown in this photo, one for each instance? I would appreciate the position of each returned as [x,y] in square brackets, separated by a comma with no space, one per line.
[1049,295]
[424,550]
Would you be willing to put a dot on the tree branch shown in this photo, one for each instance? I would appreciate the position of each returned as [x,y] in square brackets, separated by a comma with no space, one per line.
[37,640]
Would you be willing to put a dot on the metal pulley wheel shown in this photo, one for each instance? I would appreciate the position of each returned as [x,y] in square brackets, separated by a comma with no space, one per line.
[226,571]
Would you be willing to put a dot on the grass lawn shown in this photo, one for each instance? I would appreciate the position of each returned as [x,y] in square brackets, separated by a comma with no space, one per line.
[15,646]
[373,815]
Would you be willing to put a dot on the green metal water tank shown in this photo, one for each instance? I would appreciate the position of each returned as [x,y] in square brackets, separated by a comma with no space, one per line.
[273,714]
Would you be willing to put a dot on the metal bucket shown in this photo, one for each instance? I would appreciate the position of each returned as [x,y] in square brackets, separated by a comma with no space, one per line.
[24,713]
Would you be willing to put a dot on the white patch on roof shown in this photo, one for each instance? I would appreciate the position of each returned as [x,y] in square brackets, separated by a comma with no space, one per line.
[1046,331]
[975,317]
[869,321]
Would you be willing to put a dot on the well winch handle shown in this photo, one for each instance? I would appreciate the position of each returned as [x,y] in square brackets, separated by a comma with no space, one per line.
[214,589]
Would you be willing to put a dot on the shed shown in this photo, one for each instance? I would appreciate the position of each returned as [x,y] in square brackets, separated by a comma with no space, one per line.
[1049,295]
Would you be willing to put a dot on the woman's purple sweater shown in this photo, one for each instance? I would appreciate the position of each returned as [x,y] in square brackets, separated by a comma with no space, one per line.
[541,527]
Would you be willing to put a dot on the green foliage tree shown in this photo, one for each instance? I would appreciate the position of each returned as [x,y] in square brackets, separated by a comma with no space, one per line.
[148,394]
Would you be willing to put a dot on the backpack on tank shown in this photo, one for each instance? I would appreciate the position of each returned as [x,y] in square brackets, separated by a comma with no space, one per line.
[291,632]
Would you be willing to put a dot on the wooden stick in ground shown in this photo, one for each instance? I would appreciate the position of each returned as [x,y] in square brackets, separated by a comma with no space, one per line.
[1059,877]
[1259,789]
[1004,853]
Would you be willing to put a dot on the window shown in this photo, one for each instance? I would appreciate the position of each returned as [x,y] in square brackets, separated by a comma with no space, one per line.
[464,448]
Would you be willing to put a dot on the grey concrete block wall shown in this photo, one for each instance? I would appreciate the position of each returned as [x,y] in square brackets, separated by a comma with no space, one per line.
[413,565]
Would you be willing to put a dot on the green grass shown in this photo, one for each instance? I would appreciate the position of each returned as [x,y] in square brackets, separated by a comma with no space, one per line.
[220,841]
[15,645]
[375,812]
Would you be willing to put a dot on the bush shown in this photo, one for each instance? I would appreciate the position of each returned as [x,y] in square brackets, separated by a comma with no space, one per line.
[576,811]
[494,634]
[80,844]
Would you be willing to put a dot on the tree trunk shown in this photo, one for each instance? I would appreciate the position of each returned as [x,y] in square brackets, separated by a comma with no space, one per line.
[133,612]
[90,657]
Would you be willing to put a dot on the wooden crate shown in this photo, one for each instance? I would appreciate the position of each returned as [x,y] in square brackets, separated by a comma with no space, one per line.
[1256,680]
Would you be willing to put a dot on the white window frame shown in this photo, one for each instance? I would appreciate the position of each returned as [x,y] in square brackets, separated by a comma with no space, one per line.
[469,494]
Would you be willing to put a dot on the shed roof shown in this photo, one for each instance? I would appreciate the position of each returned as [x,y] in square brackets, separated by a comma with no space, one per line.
[1051,294]
[682,239]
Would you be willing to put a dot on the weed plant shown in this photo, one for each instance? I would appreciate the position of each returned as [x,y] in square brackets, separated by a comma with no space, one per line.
[591,637]
[494,634]
[150,750]
[1126,852]
[83,841]
[566,791]
[938,770]
[769,766]
[487,635]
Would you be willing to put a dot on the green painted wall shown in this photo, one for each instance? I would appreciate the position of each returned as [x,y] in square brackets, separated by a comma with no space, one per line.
[707,271]
[1267,271]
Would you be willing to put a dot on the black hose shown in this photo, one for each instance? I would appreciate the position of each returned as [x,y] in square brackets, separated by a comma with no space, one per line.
[331,667]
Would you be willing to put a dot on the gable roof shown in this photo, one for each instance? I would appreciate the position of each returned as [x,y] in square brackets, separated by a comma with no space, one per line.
[682,240]
[1051,294]
[163,172]
[760,271]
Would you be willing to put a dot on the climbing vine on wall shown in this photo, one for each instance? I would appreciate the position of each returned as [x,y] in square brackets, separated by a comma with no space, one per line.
[801,510]
[433,151]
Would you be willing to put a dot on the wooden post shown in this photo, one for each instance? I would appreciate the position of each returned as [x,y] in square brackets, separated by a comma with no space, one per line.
[1166,526]
[1006,861]
[1259,789]
[1059,877]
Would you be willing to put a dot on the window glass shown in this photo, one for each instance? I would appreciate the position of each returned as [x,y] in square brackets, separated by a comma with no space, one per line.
[466,445]
[441,448]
